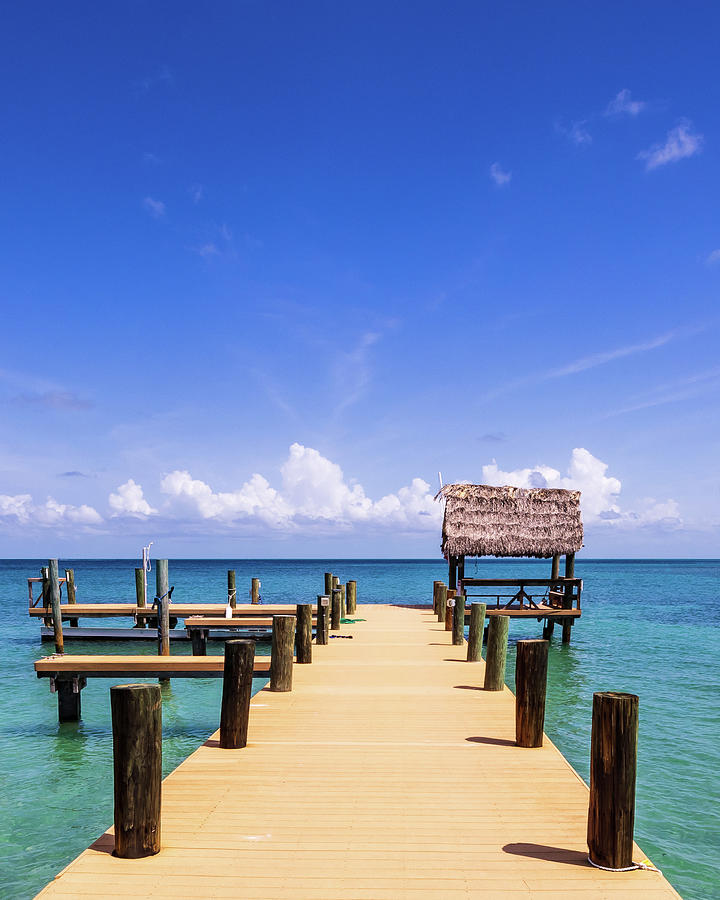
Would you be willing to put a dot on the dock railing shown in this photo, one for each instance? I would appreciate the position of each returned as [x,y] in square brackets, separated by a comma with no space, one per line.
[555,593]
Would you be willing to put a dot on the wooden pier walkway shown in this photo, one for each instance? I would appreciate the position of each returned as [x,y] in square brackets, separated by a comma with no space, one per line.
[385,774]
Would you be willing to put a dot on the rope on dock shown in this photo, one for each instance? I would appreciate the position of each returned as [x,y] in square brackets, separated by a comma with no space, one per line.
[645,864]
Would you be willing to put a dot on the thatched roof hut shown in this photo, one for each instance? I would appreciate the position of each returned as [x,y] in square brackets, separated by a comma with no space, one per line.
[481,520]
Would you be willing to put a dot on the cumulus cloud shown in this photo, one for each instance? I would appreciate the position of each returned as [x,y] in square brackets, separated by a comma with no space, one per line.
[680,143]
[500,177]
[576,132]
[22,509]
[313,494]
[129,501]
[156,208]
[623,104]
[599,499]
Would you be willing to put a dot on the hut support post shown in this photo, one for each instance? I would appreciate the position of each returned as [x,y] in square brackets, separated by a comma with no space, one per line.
[461,572]
[567,598]
[452,572]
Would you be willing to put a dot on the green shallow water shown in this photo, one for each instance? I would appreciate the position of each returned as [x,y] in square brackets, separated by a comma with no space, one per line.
[635,635]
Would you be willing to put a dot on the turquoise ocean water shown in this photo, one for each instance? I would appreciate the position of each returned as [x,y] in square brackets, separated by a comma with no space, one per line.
[651,627]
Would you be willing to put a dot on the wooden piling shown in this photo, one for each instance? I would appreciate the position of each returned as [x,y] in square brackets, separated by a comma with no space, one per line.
[449,609]
[323,619]
[555,570]
[435,596]
[303,633]
[198,640]
[68,694]
[496,655]
[458,622]
[613,768]
[343,606]
[567,597]
[328,584]
[255,590]
[70,592]
[548,629]
[137,762]
[237,688]
[162,587]
[442,602]
[351,598]
[281,654]
[335,610]
[232,591]
[477,629]
[54,591]
[140,576]
[530,687]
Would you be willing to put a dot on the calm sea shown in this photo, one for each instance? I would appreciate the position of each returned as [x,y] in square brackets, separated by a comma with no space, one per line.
[651,627]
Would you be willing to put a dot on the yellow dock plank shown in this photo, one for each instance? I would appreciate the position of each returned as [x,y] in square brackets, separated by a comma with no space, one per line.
[386,773]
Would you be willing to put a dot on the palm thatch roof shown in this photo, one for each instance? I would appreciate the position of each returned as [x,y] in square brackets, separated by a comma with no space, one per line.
[481,520]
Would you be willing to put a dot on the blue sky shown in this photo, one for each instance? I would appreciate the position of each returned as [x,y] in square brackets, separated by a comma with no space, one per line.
[268,267]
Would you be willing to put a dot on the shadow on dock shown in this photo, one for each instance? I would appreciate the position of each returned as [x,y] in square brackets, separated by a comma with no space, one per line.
[551,854]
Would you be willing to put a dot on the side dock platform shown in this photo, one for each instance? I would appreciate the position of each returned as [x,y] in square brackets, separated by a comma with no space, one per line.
[387,773]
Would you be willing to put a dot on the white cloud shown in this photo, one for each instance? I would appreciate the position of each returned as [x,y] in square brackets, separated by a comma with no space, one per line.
[500,177]
[129,501]
[23,510]
[314,494]
[713,258]
[208,250]
[575,132]
[197,192]
[156,208]
[599,491]
[680,143]
[623,104]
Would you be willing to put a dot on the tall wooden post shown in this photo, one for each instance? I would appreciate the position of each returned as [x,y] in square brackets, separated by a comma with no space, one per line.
[303,633]
[237,687]
[442,602]
[343,608]
[70,592]
[458,623]
[140,576]
[323,619]
[351,598]
[477,629]
[613,769]
[54,590]
[328,584]
[232,590]
[436,584]
[137,762]
[162,588]
[567,597]
[555,571]
[48,622]
[452,573]
[281,653]
[496,655]
[255,591]
[530,687]
[460,573]
[335,610]
[69,690]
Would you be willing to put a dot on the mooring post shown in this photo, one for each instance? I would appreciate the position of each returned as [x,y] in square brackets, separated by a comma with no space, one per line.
[255,590]
[613,769]
[477,629]
[70,592]
[436,586]
[48,622]
[162,588]
[567,597]
[323,618]
[458,622]
[351,598]
[54,590]
[530,687]
[237,687]
[303,633]
[140,576]
[449,606]
[137,762]
[281,653]
[442,602]
[452,573]
[336,610]
[343,604]
[496,655]
[328,584]
[232,592]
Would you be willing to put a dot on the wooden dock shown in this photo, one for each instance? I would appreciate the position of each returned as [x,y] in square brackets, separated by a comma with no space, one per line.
[386,774]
